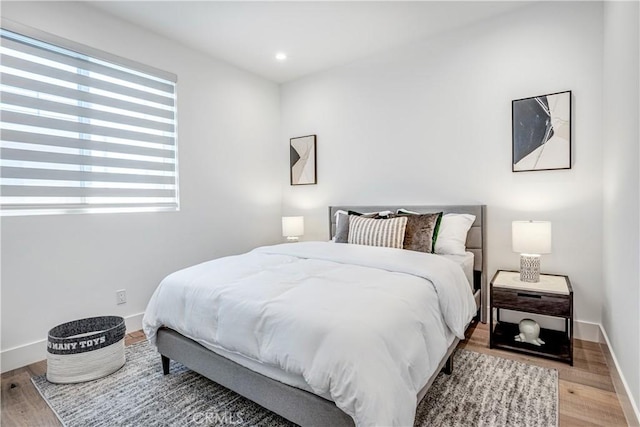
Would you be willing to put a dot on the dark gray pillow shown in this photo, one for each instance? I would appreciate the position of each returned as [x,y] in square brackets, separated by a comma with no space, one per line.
[418,235]
[342,230]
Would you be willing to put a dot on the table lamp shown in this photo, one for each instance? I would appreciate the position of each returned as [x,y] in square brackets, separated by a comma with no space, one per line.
[531,239]
[292,227]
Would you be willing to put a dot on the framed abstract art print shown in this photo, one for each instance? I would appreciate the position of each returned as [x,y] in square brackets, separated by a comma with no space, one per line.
[541,127]
[302,152]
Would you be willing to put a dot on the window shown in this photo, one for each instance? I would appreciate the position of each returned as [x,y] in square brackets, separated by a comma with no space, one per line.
[82,130]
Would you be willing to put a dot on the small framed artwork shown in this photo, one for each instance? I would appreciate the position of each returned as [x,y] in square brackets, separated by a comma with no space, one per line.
[541,128]
[302,152]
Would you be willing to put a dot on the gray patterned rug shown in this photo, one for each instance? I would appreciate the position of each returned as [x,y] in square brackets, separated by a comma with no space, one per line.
[482,391]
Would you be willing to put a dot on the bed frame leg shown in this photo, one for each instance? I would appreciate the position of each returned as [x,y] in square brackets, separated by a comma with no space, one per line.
[165,364]
[448,367]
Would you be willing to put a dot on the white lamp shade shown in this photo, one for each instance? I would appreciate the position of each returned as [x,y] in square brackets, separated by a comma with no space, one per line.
[531,237]
[292,226]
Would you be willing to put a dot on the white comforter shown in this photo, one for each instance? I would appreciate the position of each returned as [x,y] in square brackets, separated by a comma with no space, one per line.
[360,324]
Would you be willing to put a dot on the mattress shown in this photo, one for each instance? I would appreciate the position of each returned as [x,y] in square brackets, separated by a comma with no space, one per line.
[466,262]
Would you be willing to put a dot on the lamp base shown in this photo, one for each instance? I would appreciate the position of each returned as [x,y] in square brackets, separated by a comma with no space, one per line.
[292,239]
[529,268]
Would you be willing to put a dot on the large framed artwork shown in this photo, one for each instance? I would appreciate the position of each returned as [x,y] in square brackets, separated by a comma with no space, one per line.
[542,132]
[302,151]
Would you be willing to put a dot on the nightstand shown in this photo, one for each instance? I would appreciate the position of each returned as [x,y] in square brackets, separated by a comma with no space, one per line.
[551,296]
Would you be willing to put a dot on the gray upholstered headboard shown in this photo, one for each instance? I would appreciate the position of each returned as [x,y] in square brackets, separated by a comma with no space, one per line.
[475,237]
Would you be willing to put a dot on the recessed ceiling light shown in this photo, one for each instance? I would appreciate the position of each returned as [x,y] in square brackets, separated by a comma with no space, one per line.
[280,56]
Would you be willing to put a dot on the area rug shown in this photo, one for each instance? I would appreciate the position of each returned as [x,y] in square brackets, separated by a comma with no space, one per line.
[482,391]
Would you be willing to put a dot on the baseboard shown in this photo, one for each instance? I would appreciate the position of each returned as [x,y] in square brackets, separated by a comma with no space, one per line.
[587,331]
[134,322]
[23,355]
[17,357]
[620,384]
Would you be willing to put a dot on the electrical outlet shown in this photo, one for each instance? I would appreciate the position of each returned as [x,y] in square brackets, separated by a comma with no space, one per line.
[121,296]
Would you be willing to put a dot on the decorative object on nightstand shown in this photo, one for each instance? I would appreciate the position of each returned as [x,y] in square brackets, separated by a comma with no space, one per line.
[292,227]
[531,239]
[529,332]
[551,296]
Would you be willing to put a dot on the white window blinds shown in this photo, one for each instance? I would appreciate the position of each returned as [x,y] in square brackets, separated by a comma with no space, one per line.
[82,130]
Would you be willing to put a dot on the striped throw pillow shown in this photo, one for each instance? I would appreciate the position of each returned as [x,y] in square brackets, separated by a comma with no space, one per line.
[377,232]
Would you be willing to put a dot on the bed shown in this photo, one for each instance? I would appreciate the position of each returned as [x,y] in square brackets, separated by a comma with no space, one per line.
[308,382]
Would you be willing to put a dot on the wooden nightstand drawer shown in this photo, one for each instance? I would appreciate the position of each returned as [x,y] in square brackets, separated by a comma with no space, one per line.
[531,302]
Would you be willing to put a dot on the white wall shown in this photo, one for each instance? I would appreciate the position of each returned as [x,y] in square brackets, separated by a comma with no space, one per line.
[621,136]
[59,268]
[431,123]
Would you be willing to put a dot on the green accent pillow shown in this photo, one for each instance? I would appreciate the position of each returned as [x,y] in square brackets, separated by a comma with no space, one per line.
[435,232]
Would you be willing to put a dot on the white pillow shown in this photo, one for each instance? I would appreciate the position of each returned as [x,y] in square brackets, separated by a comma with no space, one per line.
[452,234]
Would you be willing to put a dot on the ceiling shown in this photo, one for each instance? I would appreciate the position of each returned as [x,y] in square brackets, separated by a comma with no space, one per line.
[315,35]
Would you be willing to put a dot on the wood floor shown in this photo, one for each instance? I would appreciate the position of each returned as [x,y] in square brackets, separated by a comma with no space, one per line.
[587,394]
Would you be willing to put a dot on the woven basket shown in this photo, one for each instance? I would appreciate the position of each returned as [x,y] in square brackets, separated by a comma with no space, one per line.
[86,349]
